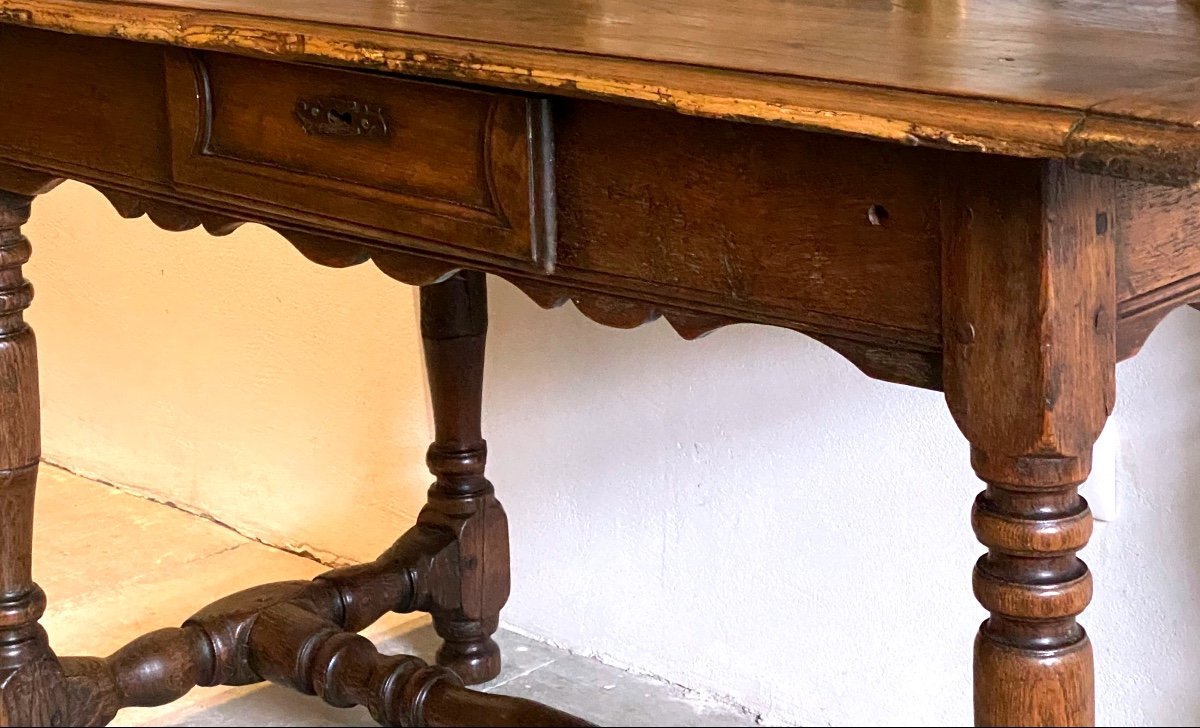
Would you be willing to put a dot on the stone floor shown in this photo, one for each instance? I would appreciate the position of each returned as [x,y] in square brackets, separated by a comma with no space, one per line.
[116,566]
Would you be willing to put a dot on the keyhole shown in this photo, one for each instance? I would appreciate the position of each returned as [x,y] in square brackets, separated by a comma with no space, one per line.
[342,116]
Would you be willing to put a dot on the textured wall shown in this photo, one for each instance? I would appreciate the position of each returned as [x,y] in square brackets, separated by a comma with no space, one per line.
[749,516]
[746,515]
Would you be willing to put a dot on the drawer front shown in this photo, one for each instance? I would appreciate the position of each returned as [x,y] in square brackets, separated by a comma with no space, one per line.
[461,167]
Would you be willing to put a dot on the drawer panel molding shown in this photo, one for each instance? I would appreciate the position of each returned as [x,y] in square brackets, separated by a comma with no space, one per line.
[459,166]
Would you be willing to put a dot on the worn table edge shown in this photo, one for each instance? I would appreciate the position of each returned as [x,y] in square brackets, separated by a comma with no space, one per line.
[1141,149]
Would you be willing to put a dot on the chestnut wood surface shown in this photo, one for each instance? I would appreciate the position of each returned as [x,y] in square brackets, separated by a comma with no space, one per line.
[1036,220]
[31,679]
[1108,83]
[1030,379]
[611,189]
[432,161]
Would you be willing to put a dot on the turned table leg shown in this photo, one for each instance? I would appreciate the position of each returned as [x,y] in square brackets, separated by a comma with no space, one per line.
[1033,662]
[1029,376]
[31,679]
[466,611]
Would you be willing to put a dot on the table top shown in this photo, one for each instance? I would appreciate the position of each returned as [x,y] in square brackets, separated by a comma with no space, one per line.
[1112,83]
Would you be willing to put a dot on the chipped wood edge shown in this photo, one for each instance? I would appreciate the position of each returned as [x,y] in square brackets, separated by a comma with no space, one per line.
[1158,152]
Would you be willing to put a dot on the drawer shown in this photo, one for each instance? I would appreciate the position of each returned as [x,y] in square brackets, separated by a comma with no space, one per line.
[461,167]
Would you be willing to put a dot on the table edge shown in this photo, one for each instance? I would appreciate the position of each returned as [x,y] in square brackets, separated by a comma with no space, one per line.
[1143,149]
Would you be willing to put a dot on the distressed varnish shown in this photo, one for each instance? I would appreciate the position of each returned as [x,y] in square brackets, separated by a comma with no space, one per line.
[1007,209]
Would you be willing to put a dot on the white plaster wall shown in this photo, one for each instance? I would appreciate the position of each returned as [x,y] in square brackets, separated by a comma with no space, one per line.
[746,515]
[749,516]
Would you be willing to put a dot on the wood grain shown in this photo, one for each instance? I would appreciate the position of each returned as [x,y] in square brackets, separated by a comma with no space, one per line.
[302,635]
[450,164]
[770,217]
[702,220]
[1158,258]
[1104,82]
[466,611]
[123,134]
[1010,275]
[1030,332]
[31,678]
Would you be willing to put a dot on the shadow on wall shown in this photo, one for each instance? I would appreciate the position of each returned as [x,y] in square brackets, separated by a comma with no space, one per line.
[750,516]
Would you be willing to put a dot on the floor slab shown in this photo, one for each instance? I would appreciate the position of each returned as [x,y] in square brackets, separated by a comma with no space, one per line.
[115,566]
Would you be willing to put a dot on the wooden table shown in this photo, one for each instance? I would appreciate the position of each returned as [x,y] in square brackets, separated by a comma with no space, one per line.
[992,199]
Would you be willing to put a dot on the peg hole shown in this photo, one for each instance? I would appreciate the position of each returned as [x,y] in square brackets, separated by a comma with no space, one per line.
[877,215]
